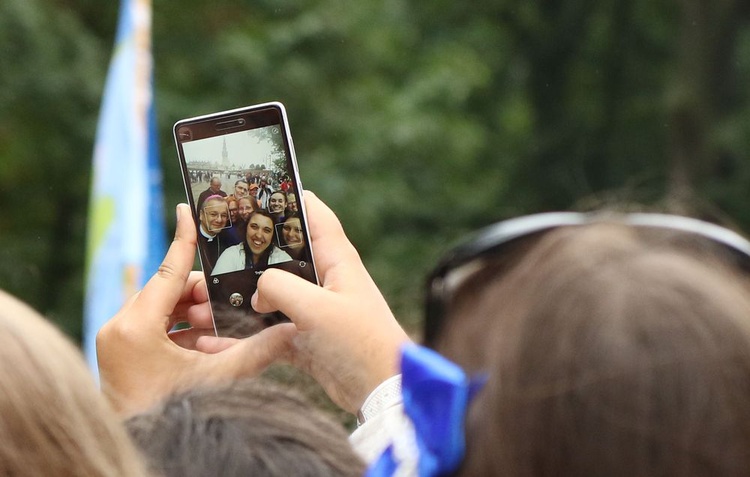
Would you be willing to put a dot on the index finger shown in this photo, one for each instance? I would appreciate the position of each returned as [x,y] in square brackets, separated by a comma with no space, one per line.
[294,296]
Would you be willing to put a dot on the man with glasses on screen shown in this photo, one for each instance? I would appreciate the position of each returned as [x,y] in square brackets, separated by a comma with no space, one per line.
[214,218]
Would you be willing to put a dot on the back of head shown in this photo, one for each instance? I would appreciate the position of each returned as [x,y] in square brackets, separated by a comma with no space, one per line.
[244,428]
[53,418]
[611,351]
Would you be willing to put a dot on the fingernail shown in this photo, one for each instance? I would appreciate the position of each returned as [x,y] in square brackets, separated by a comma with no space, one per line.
[254,299]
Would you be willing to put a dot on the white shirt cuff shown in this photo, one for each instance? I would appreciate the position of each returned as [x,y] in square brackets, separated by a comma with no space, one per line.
[386,395]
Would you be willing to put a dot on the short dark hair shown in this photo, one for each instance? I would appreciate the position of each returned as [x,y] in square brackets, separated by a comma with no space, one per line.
[249,427]
[279,191]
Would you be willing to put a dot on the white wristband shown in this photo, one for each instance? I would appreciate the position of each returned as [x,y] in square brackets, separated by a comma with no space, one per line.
[387,394]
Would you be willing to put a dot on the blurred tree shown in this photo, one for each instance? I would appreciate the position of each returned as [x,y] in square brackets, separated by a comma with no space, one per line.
[705,93]
[50,83]
[415,121]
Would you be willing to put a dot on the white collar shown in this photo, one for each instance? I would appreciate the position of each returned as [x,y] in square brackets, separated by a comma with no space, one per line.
[210,238]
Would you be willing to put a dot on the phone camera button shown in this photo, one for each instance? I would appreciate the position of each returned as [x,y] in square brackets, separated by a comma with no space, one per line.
[235,299]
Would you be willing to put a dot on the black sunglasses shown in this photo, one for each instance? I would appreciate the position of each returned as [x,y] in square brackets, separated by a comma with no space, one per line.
[469,256]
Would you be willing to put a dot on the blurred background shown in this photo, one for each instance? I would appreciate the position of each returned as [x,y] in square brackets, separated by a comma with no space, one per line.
[416,121]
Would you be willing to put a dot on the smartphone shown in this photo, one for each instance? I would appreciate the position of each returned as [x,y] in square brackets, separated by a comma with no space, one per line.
[242,182]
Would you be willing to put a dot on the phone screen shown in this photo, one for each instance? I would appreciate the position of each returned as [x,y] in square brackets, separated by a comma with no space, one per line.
[242,183]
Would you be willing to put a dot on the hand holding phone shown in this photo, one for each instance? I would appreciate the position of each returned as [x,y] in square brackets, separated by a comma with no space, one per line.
[241,177]
[139,363]
[347,338]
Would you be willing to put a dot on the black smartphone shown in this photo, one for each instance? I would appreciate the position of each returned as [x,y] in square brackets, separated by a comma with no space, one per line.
[242,182]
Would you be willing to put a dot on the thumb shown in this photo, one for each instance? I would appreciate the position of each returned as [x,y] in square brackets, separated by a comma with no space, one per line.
[162,292]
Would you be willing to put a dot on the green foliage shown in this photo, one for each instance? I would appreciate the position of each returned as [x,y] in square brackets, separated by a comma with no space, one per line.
[50,85]
[415,121]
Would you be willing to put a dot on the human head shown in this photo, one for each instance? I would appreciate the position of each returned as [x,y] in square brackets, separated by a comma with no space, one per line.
[234,209]
[611,350]
[277,202]
[54,419]
[253,189]
[214,214]
[291,202]
[215,184]
[240,189]
[245,207]
[248,427]
[291,231]
[259,233]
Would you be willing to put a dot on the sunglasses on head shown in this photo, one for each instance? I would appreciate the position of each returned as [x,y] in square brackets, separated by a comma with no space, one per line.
[469,257]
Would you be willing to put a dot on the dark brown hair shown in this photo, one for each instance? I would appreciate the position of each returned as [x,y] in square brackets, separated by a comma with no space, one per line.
[249,427]
[611,351]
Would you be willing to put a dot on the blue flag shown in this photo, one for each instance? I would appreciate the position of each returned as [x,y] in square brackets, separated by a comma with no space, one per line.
[126,233]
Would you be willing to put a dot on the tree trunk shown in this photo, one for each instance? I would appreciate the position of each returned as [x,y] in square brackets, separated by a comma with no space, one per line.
[699,94]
